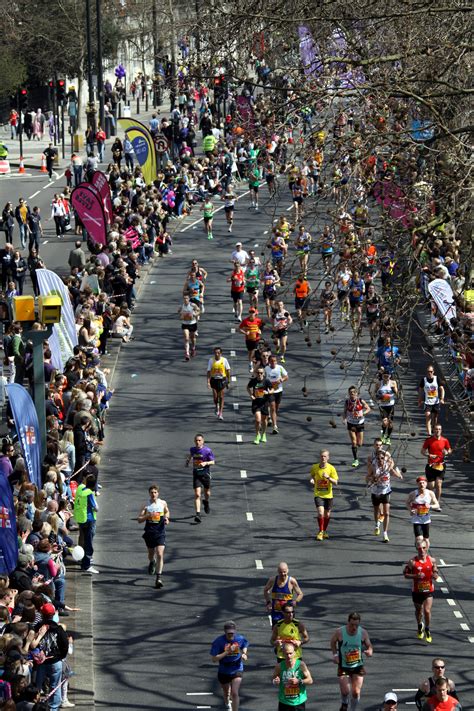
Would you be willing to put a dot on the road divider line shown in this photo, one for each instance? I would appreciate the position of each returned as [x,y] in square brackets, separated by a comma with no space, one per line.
[471,640]
[457,614]
[233,378]
[232,330]
[258,564]
[439,579]
[445,591]
[199,693]
[238,438]
[34,195]
[236,405]
[464,627]
[243,474]
[451,602]
[232,354]
[249,516]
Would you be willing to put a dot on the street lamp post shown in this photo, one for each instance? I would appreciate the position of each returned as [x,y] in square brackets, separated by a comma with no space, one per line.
[90,111]
[100,70]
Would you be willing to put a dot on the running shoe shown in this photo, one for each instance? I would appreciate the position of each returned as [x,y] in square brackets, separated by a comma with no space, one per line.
[275,430]
[202,308]
[151,567]
[263,438]
[220,416]
[325,534]
[209,236]
[228,704]
[250,368]
[428,637]
[326,330]
[355,463]
[197,518]
[421,633]
[257,439]
[193,352]
[230,229]
[377,531]
[320,536]
[158,583]
[186,358]
[206,505]
[282,359]
[277,350]
[388,441]
[386,539]
[343,707]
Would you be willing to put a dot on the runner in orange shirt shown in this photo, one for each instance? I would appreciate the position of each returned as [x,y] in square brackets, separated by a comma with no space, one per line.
[251,327]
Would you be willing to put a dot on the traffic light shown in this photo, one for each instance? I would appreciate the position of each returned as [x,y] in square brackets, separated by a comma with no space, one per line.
[23,99]
[61,91]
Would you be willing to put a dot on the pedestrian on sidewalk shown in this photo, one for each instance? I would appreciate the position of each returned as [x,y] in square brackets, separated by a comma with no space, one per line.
[38,125]
[13,121]
[85,513]
[8,220]
[22,213]
[100,138]
[76,164]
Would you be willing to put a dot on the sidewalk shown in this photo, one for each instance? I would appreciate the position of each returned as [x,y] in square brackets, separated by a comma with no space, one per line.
[33,150]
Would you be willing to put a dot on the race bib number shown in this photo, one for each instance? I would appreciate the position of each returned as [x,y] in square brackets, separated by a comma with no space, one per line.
[353,657]
[291,689]
[232,648]
[356,293]
[432,392]
[259,392]
[424,586]
[386,397]
[323,484]
[154,517]
[423,510]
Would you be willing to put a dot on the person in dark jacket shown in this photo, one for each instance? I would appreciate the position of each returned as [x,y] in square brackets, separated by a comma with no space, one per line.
[52,642]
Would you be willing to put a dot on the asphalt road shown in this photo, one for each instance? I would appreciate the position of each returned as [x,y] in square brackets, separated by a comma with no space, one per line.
[152,647]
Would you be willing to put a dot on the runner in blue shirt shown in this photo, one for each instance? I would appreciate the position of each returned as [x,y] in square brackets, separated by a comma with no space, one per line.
[230,651]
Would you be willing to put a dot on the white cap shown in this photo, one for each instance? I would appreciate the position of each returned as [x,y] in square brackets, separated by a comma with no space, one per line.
[391,696]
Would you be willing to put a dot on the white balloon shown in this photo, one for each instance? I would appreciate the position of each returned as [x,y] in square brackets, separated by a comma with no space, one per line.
[77,553]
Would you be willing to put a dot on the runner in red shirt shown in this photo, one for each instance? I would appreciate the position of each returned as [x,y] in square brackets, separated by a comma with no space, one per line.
[442,701]
[251,327]
[436,448]
[422,569]
[237,288]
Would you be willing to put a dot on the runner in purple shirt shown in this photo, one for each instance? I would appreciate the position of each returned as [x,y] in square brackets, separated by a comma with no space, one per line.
[203,459]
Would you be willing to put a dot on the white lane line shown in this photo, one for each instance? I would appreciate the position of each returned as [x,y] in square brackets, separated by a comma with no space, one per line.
[471,640]
[441,561]
[464,627]
[243,474]
[34,195]
[232,354]
[235,405]
[204,707]
[457,614]
[404,689]
[249,515]
[48,185]
[266,232]
[232,330]
[259,564]
[445,591]
[45,241]
[199,693]
[196,222]
[439,579]
[289,208]
[233,378]
[451,602]
[238,438]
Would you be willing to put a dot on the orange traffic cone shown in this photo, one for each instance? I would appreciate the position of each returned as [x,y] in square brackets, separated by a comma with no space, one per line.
[21,169]
[43,164]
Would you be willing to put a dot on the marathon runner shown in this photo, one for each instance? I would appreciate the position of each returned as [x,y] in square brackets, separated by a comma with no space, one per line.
[271,280]
[373,303]
[259,389]
[303,248]
[431,396]
[423,570]
[251,328]
[252,282]
[218,379]
[254,183]
[189,314]
[343,281]
[229,205]
[419,503]
[277,375]
[323,478]
[442,700]
[327,299]
[281,323]
[386,393]
[280,589]
[237,289]
[289,629]
[348,643]
[355,410]
[302,291]
[278,249]
[436,448]
[292,676]
[230,651]
[155,516]
[203,459]
[208,209]
[427,688]
[378,479]
[356,298]
[326,242]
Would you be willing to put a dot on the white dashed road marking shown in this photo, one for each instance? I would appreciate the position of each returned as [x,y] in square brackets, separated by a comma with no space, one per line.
[243,474]
[464,627]
[34,195]
[445,591]
[259,565]
[233,378]
[249,515]
[457,614]
[232,354]
[238,438]
[236,405]
[451,602]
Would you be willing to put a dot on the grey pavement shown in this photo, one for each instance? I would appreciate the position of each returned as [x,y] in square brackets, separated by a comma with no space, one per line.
[152,647]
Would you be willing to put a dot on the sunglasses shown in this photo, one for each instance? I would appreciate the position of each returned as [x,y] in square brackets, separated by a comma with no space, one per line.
[438,666]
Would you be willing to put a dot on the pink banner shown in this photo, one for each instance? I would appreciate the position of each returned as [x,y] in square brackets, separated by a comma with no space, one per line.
[88,205]
[99,181]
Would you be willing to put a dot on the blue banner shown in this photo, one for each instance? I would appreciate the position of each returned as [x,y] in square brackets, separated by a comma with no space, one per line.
[27,427]
[8,536]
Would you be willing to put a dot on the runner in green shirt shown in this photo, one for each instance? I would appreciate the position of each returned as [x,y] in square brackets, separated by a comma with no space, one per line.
[208,210]
[292,676]
[254,182]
